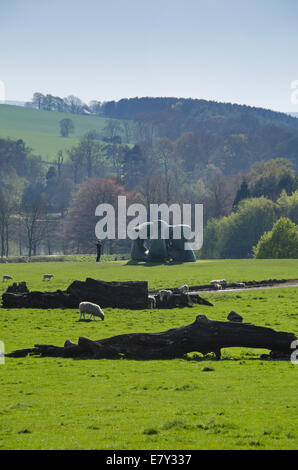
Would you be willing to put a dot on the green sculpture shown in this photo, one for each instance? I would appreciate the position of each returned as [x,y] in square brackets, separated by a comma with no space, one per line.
[158,241]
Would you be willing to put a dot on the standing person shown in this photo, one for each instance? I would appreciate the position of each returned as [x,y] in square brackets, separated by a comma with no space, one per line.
[98,250]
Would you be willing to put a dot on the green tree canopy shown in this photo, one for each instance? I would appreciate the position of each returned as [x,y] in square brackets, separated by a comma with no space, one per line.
[66,127]
[234,236]
[280,242]
[289,206]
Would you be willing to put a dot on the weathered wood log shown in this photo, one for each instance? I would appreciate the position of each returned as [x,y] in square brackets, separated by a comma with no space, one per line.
[203,335]
[18,287]
[130,295]
[234,316]
[37,299]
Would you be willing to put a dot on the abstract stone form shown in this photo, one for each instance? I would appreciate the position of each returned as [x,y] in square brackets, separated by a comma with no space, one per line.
[158,241]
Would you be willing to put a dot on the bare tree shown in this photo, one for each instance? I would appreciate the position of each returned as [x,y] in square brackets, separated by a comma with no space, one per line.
[8,206]
[33,216]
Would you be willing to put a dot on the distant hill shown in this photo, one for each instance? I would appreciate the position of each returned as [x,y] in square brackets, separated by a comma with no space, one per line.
[40,129]
[229,136]
[197,109]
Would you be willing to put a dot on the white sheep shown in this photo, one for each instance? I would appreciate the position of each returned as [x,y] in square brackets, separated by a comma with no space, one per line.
[93,309]
[240,284]
[47,276]
[165,294]
[6,277]
[217,286]
[152,301]
[218,281]
[184,289]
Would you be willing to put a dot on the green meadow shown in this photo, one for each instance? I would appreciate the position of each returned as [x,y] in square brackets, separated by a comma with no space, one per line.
[40,129]
[239,402]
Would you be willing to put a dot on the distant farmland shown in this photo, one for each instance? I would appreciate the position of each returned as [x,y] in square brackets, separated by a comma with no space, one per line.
[40,130]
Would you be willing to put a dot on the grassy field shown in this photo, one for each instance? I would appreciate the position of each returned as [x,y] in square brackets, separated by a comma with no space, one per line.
[240,402]
[40,130]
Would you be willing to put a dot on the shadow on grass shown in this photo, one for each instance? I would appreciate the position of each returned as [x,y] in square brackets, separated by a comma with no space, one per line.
[149,264]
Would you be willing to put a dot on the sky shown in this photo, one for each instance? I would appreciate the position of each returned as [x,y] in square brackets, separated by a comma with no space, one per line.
[239,51]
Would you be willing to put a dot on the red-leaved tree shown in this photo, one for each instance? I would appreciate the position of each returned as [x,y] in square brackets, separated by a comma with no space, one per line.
[79,226]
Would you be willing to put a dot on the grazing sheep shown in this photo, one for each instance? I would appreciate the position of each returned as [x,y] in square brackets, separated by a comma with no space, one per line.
[183,289]
[6,277]
[47,276]
[165,294]
[93,309]
[222,282]
[217,286]
[152,301]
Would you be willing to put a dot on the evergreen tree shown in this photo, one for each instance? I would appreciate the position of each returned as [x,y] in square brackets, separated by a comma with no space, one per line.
[242,193]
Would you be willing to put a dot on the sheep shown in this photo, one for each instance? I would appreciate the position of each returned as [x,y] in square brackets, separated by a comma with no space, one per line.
[165,294]
[184,289]
[6,277]
[47,276]
[222,282]
[217,286]
[218,281]
[93,309]
[152,301]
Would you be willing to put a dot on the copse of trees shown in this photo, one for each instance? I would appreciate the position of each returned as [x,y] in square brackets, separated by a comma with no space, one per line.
[234,236]
[280,242]
[48,102]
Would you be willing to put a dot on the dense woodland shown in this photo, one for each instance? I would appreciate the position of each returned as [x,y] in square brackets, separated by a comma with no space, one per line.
[239,162]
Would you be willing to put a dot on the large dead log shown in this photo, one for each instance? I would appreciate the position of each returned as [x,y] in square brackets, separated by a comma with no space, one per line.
[203,335]
[130,295]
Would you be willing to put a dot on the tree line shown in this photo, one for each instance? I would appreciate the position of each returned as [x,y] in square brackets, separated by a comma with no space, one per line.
[242,169]
[50,208]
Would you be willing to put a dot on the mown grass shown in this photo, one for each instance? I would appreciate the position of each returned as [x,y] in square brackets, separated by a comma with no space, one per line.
[157,275]
[40,129]
[240,402]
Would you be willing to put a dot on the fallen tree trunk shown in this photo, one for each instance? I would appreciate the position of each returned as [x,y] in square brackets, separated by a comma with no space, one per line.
[203,335]
[130,295]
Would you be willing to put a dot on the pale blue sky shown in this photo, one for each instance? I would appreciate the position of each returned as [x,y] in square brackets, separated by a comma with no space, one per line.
[240,51]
